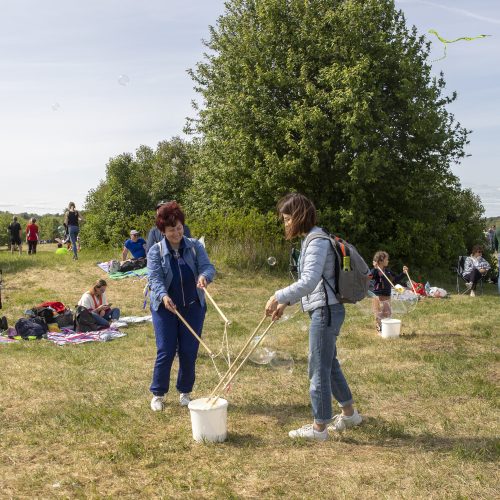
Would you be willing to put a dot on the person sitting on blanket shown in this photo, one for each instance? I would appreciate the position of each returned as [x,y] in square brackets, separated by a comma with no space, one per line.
[475,267]
[136,246]
[96,302]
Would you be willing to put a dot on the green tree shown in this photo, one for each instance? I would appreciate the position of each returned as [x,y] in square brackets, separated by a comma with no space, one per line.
[133,185]
[335,99]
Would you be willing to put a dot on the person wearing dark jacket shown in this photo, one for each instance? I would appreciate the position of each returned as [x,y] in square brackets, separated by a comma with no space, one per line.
[381,286]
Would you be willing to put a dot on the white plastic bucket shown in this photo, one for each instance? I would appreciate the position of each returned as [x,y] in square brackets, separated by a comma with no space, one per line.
[209,423]
[391,328]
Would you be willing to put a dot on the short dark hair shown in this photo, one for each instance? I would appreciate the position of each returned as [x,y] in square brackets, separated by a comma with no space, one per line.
[302,211]
[169,214]
[476,248]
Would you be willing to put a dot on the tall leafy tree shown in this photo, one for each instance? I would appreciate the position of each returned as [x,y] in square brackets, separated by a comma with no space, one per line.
[126,198]
[333,98]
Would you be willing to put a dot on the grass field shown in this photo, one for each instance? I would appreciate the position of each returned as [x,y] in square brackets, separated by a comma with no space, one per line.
[76,422]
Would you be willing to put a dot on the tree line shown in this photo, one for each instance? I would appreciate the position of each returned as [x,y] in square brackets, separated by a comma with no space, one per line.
[332,98]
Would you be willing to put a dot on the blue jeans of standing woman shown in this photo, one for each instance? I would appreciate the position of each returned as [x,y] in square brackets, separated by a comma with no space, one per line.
[109,315]
[325,376]
[171,334]
[73,234]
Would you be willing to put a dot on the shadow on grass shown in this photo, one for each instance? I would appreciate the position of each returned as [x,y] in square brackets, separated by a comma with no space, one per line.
[283,414]
[384,433]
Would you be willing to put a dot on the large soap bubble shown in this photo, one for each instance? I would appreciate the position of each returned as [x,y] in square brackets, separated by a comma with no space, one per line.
[271,260]
[282,361]
[123,80]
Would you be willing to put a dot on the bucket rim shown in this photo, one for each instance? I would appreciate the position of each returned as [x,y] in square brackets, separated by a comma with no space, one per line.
[221,403]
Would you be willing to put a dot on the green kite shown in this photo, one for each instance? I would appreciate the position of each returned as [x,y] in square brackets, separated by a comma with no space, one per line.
[446,42]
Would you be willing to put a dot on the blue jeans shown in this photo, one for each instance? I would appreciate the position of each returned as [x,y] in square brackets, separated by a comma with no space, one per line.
[325,376]
[73,233]
[110,314]
[171,334]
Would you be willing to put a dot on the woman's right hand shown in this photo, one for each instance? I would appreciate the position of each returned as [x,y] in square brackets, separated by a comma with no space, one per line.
[169,304]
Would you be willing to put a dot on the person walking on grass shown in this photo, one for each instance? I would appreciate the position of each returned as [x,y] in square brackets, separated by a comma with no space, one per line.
[96,302]
[178,271]
[314,288]
[381,303]
[32,236]
[15,236]
[72,220]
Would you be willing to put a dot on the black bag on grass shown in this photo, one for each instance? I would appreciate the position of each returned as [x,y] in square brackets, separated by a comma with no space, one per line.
[31,327]
[133,264]
[84,321]
[65,319]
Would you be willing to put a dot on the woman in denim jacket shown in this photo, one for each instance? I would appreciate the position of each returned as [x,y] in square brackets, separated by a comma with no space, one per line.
[178,271]
[316,265]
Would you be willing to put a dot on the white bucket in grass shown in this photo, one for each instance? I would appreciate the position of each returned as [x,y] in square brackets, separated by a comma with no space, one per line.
[391,328]
[209,422]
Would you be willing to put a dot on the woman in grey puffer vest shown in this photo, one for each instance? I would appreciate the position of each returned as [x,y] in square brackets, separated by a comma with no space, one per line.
[314,290]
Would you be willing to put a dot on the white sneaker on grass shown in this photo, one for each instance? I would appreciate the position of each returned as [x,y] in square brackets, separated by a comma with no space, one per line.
[472,293]
[342,422]
[157,403]
[308,432]
[184,398]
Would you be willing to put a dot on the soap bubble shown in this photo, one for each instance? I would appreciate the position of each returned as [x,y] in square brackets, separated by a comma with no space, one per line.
[282,361]
[61,230]
[123,80]
[271,261]
[261,355]
[56,106]
[284,318]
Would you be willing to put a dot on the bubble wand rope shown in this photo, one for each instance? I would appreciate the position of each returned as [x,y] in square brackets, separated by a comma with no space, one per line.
[222,315]
[264,333]
[221,381]
[196,336]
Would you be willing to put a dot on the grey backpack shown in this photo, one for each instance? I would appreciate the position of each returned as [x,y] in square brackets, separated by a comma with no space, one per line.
[352,274]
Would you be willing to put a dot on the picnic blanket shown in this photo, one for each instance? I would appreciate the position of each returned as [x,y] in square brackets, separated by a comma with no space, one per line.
[140,273]
[68,336]
[6,340]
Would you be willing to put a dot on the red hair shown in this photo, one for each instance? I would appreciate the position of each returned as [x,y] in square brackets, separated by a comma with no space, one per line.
[169,214]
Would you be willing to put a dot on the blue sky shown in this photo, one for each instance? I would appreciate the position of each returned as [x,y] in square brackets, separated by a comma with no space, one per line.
[65,110]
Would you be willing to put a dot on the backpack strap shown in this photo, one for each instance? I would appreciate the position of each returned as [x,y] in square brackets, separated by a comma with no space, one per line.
[336,262]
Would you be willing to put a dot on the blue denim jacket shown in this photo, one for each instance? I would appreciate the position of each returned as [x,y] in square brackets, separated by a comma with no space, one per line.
[160,273]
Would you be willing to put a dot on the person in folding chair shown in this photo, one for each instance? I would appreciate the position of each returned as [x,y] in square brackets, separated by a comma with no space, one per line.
[475,267]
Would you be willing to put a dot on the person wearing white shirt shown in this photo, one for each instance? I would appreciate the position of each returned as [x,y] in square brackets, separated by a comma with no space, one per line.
[96,302]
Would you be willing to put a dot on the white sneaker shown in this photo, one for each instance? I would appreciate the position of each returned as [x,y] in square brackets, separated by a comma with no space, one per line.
[341,422]
[308,432]
[184,398]
[157,403]
[472,293]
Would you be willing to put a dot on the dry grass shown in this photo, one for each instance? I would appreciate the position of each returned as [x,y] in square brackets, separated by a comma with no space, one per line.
[76,421]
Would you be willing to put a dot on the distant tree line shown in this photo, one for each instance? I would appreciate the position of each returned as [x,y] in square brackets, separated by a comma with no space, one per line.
[334,99]
[48,225]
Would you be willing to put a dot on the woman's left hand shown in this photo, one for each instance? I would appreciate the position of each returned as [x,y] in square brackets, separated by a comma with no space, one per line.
[202,282]
[405,269]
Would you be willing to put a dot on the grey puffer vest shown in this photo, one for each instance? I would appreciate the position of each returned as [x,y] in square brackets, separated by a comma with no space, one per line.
[315,263]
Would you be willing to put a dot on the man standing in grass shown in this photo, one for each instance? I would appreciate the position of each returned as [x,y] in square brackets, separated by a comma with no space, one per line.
[15,235]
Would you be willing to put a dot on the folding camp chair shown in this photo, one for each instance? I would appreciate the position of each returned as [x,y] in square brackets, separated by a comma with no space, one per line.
[461,281]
